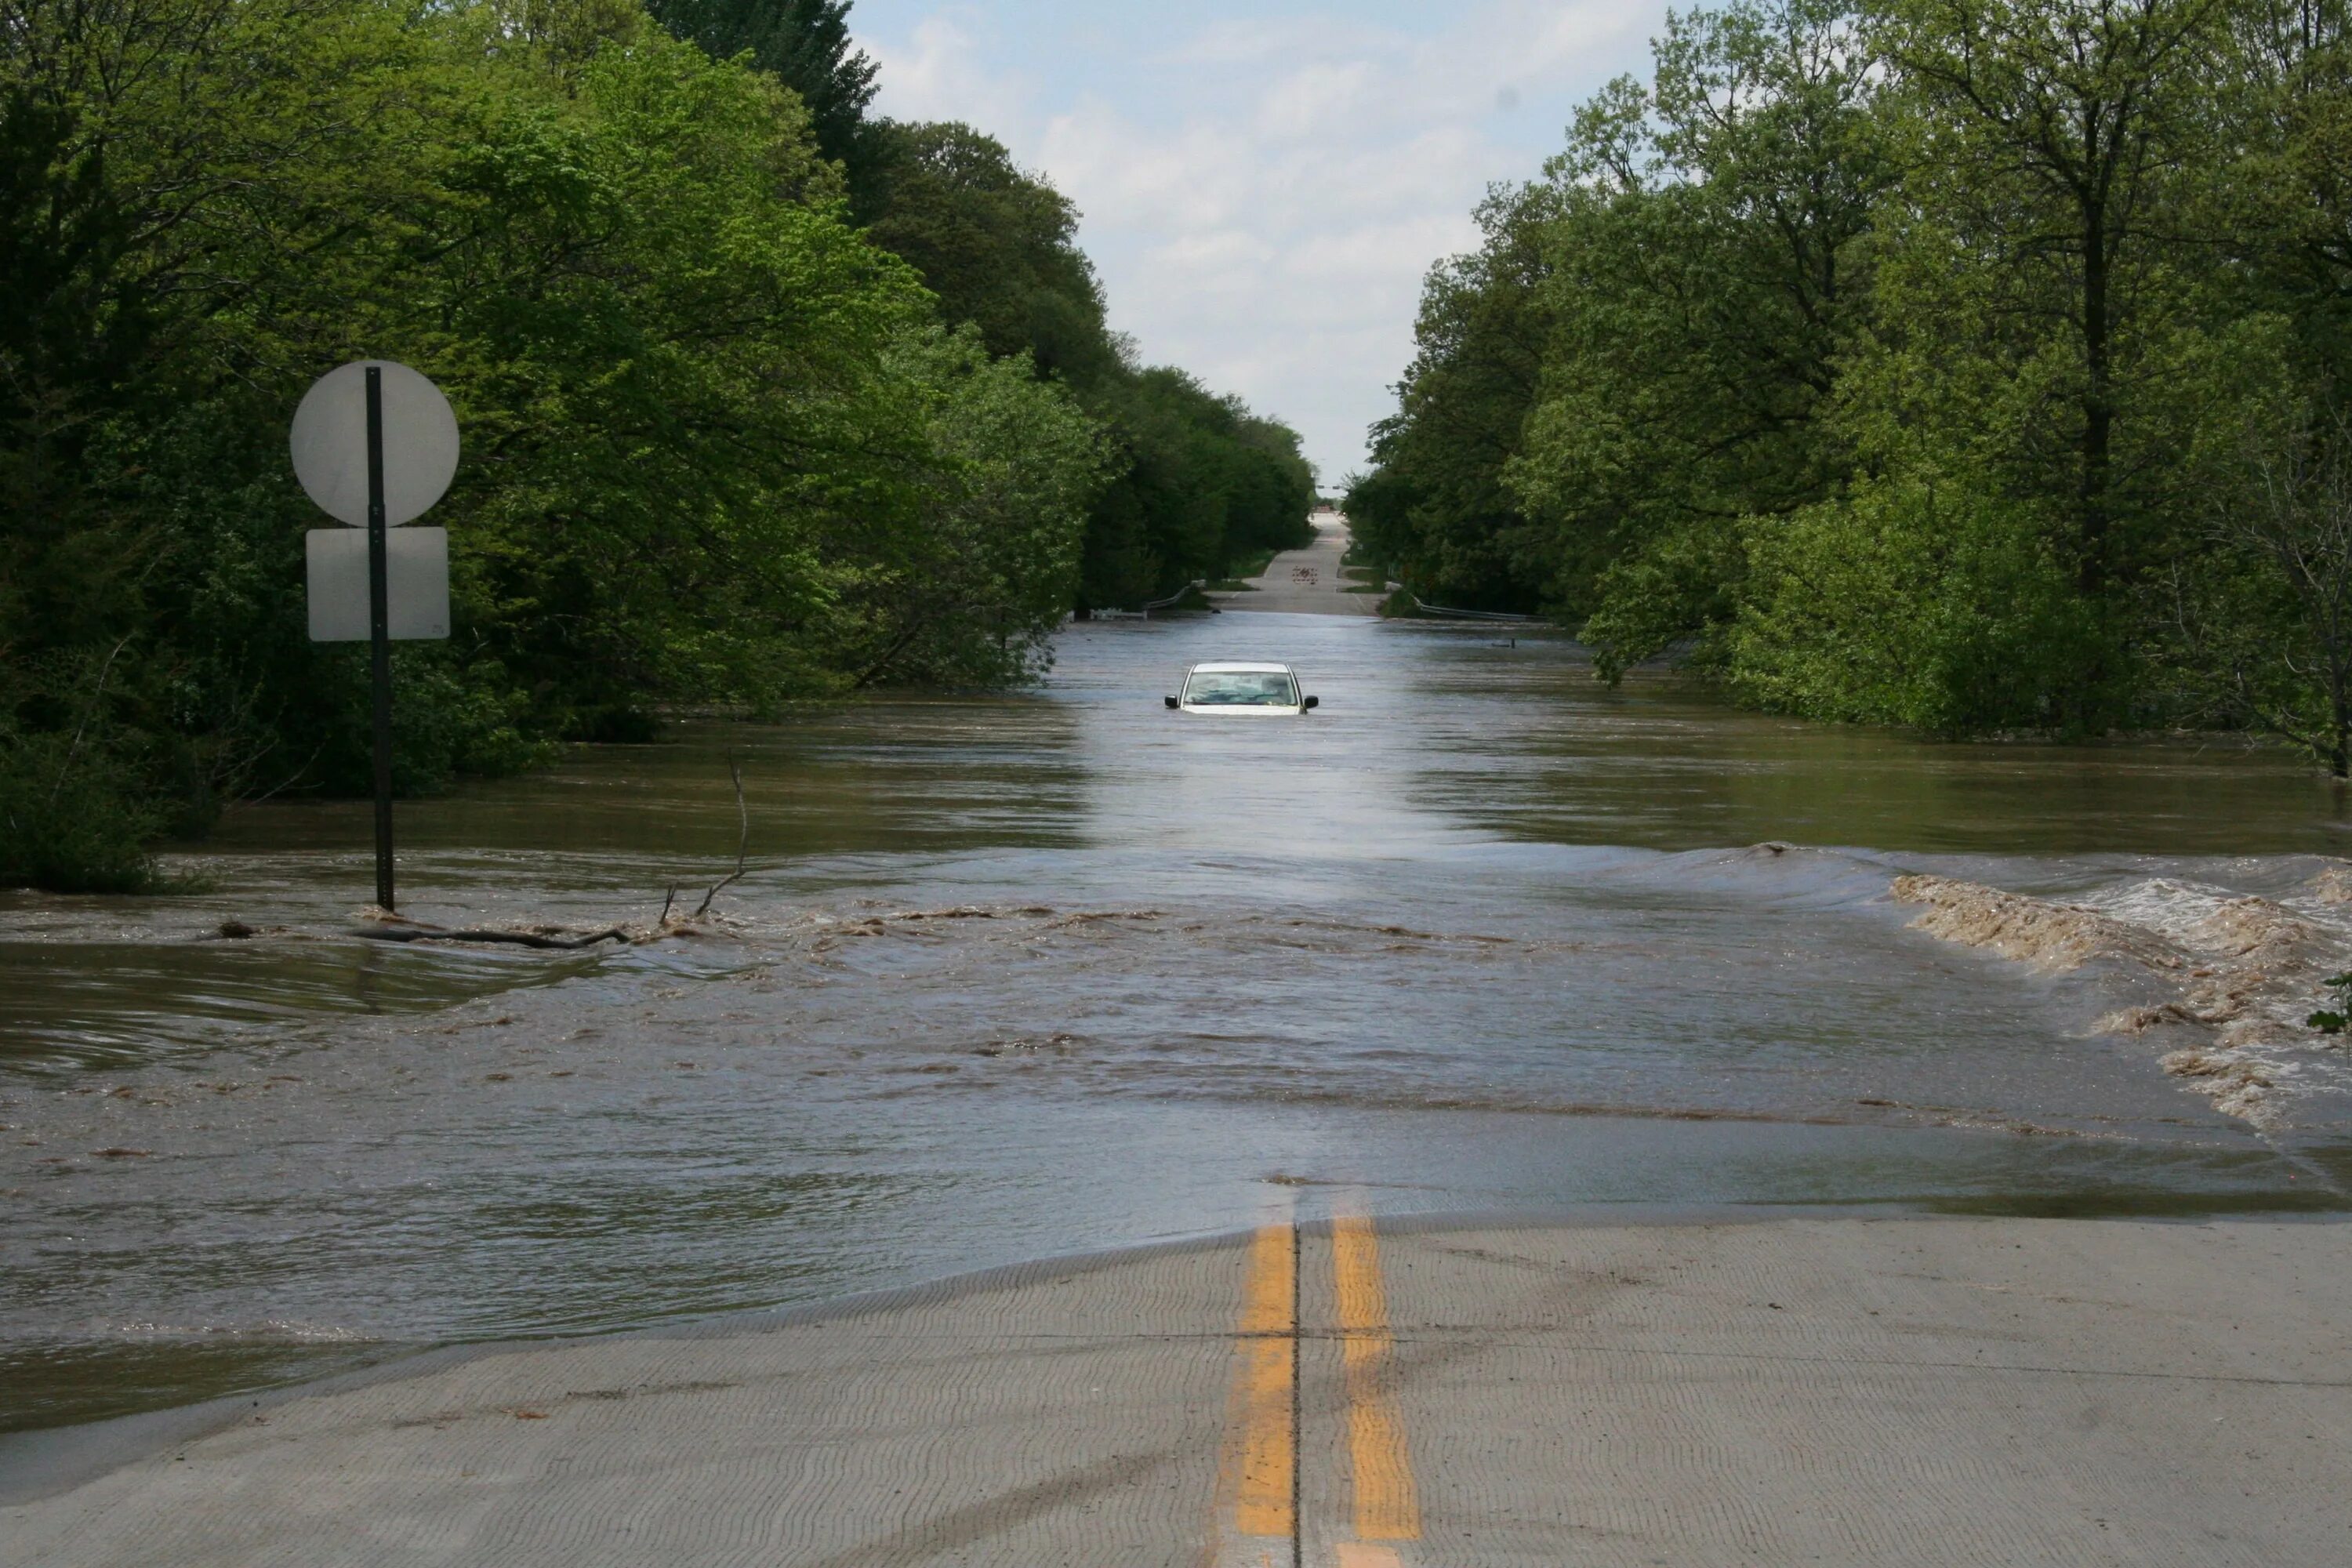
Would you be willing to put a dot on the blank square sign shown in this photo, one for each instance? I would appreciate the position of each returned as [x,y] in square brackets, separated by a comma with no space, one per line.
[416,564]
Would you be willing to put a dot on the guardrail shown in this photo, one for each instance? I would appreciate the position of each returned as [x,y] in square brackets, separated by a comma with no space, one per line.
[1445,611]
[1199,584]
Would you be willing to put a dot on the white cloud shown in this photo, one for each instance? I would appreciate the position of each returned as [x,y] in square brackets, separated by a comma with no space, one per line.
[938,74]
[1263,194]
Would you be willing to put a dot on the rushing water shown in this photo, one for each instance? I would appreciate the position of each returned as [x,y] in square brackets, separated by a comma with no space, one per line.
[1038,973]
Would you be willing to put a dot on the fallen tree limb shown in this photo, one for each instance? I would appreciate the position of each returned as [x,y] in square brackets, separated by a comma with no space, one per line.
[395,930]
[742,843]
[510,938]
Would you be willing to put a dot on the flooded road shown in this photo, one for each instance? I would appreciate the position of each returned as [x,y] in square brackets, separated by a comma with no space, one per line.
[1059,971]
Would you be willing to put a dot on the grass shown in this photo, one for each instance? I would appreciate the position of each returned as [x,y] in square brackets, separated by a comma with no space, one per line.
[1251,565]
[1229,585]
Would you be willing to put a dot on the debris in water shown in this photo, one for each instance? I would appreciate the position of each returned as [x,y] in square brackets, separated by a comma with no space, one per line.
[2196,1063]
[2332,885]
[2139,1020]
[383,929]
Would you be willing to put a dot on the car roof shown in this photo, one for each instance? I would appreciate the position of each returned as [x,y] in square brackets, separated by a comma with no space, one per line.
[1234,668]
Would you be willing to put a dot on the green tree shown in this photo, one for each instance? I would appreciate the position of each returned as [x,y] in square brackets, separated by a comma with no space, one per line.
[1898,361]
[975,594]
[999,246]
[1916,599]
[718,449]
[1434,511]
[805,44]
[721,446]
[1199,483]
[1196,482]
[2258,621]
[1706,269]
[2052,142]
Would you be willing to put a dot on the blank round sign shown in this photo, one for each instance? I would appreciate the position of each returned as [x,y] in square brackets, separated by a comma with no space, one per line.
[330,443]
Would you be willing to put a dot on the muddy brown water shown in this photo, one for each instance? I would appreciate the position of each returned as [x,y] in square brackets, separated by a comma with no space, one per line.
[1023,976]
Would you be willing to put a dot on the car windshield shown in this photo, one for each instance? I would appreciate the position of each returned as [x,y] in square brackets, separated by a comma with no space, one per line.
[1251,689]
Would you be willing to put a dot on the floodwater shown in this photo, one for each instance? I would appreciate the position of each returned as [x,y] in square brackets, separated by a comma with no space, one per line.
[1041,974]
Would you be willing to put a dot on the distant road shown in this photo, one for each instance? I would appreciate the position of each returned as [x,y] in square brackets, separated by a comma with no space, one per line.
[1307,582]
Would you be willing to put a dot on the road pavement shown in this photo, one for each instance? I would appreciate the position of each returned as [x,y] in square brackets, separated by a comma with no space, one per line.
[1342,1396]
[1306,582]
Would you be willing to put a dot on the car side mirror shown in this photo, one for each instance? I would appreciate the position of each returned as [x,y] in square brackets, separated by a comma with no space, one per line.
[1312,702]
[1171,702]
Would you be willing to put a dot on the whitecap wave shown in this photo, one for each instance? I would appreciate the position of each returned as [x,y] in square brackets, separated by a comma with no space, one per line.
[2242,974]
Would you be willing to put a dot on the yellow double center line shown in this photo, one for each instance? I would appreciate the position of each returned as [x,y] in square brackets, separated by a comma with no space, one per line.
[1263,1479]
[1265,1380]
[1388,1507]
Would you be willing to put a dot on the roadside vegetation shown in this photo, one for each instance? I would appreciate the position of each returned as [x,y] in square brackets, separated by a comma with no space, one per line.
[1977,365]
[1247,564]
[764,398]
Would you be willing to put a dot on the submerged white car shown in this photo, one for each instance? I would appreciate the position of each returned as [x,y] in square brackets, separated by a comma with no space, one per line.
[1253,688]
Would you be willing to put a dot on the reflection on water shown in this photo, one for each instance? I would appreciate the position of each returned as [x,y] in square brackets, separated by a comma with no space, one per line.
[114,1001]
[1659,765]
[1061,970]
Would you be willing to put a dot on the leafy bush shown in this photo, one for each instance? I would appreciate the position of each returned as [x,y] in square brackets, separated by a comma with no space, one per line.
[2336,1017]
[1911,601]
[67,823]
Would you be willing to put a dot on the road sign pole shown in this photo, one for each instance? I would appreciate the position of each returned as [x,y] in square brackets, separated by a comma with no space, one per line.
[384,423]
[379,637]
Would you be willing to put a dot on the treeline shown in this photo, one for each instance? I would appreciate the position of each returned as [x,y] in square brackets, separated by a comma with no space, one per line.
[1196,482]
[764,398]
[1967,364]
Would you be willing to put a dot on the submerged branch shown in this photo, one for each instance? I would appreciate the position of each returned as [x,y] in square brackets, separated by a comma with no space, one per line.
[510,938]
[742,842]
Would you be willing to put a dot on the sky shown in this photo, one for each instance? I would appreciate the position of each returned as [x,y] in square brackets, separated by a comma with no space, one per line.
[1266,184]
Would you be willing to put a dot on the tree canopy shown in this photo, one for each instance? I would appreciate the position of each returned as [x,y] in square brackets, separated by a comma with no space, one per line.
[804,44]
[1200,482]
[724,445]
[1912,361]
